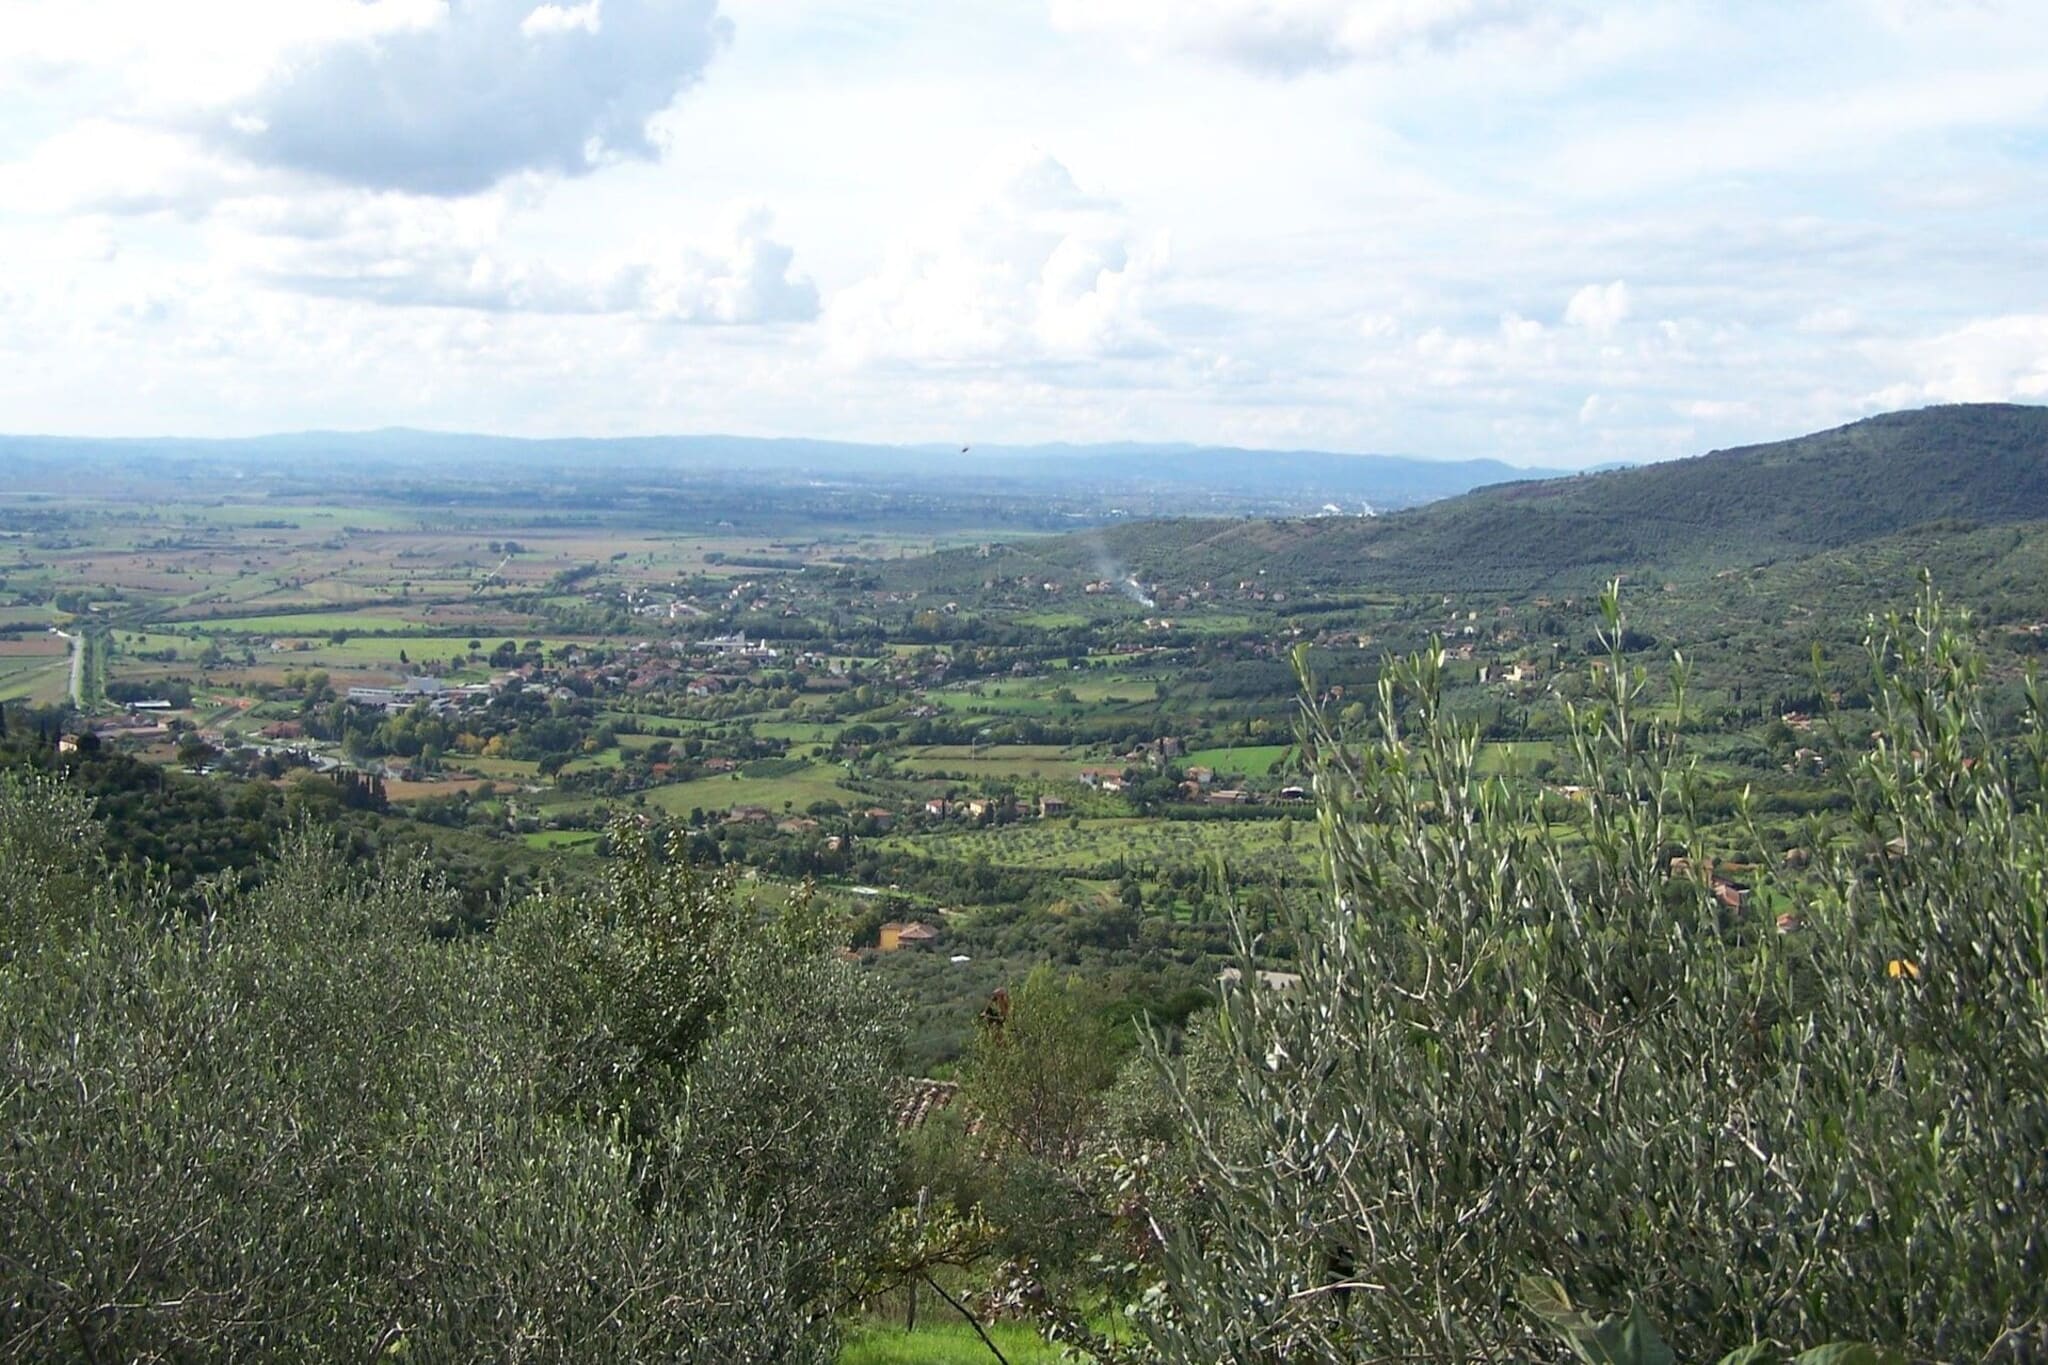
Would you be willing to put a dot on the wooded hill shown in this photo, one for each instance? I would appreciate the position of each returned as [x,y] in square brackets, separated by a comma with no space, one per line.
[1980,463]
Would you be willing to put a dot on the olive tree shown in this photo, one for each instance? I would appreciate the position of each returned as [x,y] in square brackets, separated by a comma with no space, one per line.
[307,1128]
[1525,1048]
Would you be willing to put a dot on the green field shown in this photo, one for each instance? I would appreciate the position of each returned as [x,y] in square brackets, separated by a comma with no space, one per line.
[35,678]
[799,731]
[651,721]
[1108,687]
[1054,620]
[995,762]
[562,839]
[606,758]
[308,516]
[943,1343]
[1090,690]
[128,643]
[1052,846]
[818,782]
[379,652]
[1014,702]
[1514,755]
[499,769]
[1252,760]
[1213,623]
[303,623]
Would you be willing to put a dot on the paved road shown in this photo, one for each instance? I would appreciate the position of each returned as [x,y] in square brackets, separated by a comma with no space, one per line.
[77,665]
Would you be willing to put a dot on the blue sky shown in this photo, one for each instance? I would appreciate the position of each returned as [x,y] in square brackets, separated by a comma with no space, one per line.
[1551,232]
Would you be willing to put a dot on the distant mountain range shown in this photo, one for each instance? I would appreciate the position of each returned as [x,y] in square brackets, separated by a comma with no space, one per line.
[1185,476]
[1471,524]
[1981,464]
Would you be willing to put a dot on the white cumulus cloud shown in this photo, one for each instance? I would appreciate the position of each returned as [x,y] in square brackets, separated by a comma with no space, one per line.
[588,17]
[102,165]
[409,251]
[161,60]
[1033,269]
[487,89]
[1286,37]
[1599,308]
[1989,360]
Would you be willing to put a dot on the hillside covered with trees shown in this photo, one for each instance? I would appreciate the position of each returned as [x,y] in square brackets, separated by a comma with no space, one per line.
[1985,463]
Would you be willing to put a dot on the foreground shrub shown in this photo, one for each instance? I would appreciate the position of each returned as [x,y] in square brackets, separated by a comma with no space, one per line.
[305,1129]
[1522,1048]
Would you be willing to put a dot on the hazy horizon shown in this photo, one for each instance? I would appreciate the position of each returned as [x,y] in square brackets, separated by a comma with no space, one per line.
[1135,444]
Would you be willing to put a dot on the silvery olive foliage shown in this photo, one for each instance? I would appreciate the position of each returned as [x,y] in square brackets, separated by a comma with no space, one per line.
[1528,1043]
[639,1123]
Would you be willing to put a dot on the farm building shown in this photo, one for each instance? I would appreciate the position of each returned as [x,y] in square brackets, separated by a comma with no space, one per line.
[912,934]
[1103,779]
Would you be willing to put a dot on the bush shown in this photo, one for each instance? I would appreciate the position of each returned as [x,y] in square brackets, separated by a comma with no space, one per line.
[1517,1050]
[303,1128]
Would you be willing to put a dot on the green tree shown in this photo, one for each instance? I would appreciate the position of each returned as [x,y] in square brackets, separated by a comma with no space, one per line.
[635,1124]
[1010,1166]
[744,1063]
[1518,1050]
[1039,1065]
